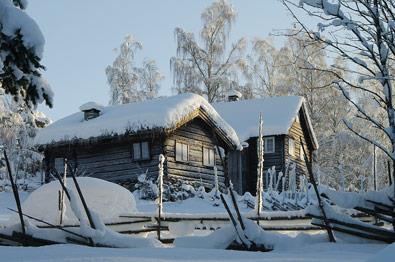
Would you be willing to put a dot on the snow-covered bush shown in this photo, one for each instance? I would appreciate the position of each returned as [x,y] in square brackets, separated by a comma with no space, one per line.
[146,187]
[173,189]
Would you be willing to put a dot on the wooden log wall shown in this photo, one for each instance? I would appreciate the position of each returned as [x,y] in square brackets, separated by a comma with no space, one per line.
[270,159]
[110,160]
[299,130]
[196,134]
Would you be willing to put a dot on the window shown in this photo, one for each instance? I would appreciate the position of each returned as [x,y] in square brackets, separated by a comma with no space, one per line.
[291,147]
[301,154]
[141,151]
[59,165]
[208,156]
[181,152]
[269,145]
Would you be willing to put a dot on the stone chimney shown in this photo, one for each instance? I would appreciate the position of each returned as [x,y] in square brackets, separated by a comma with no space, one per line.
[234,95]
[91,110]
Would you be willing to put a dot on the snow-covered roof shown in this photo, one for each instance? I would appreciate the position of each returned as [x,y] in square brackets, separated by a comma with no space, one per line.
[91,105]
[165,113]
[234,93]
[278,115]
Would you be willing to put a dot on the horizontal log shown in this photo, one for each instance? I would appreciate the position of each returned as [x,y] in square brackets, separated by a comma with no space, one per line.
[144,165]
[384,206]
[195,175]
[355,233]
[374,213]
[367,229]
[194,168]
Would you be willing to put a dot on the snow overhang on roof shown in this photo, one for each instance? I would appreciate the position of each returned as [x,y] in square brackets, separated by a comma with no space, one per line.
[90,106]
[278,113]
[163,113]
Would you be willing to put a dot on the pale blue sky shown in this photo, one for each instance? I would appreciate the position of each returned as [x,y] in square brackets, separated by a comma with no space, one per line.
[81,35]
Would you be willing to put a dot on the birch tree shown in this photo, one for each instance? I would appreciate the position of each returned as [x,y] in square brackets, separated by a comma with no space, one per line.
[361,31]
[263,68]
[128,82]
[149,79]
[121,75]
[17,130]
[205,66]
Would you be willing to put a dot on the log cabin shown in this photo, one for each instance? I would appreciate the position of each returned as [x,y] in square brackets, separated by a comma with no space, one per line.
[118,143]
[286,122]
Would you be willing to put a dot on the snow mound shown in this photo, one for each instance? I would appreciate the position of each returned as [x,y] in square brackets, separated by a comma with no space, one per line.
[219,239]
[107,199]
[222,238]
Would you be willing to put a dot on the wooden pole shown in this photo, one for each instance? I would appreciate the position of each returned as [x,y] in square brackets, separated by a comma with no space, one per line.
[50,225]
[234,223]
[236,206]
[226,175]
[61,183]
[374,169]
[259,183]
[393,200]
[68,196]
[320,203]
[389,173]
[77,186]
[62,198]
[16,194]
[160,195]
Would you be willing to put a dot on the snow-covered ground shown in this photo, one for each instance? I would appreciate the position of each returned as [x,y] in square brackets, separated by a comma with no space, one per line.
[317,252]
[313,249]
[7,201]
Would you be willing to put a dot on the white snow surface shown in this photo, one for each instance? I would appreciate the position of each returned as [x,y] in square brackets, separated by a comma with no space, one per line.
[355,199]
[385,255]
[107,199]
[128,118]
[91,105]
[13,19]
[288,246]
[327,252]
[278,115]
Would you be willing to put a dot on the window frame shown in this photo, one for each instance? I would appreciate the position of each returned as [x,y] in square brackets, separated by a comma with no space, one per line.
[61,164]
[301,153]
[211,152]
[183,146]
[265,151]
[140,147]
[293,153]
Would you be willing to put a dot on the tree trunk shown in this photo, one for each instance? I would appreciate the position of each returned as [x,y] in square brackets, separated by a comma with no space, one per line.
[393,196]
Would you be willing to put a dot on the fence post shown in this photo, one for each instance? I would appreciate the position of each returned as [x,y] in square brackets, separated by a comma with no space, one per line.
[259,183]
[160,194]
[62,204]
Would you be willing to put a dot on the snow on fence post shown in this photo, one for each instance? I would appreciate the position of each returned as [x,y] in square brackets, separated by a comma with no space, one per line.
[216,187]
[279,179]
[283,190]
[160,193]
[361,181]
[62,203]
[292,181]
[259,184]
